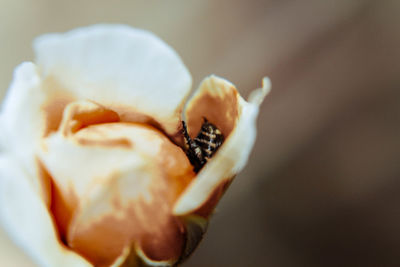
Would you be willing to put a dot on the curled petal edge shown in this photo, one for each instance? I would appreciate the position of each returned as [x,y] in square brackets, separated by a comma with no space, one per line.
[232,155]
[133,256]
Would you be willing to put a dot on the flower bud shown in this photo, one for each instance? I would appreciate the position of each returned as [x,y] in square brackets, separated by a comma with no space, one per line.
[94,166]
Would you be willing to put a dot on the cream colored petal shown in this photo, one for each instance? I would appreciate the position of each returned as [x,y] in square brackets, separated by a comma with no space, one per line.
[233,154]
[79,173]
[80,114]
[132,208]
[21,118]
[23,123]
[125,69]
[117,183]
[77,167]
[26,219]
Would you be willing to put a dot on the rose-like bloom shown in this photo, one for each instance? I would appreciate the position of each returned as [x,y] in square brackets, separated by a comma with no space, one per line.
[93,170]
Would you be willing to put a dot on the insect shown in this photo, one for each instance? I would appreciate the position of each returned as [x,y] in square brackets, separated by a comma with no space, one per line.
[200,149]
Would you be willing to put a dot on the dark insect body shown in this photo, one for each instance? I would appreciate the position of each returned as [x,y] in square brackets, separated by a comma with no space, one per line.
[200,149]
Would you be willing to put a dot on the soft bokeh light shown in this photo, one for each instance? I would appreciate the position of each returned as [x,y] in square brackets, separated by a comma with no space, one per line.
[322,185]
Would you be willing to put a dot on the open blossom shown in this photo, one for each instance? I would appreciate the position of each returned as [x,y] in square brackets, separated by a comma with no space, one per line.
[93,161]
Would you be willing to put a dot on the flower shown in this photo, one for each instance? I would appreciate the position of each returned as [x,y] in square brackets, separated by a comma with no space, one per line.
[93,170]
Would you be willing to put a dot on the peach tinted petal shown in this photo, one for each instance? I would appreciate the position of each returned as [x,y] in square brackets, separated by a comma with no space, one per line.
[75,169]
[216,100]
[131,209]
[79,115]
[127,70]
[234,152]
[117,195]
[27,219]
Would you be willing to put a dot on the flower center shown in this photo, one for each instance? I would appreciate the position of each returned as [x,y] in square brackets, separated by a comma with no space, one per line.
[114,185]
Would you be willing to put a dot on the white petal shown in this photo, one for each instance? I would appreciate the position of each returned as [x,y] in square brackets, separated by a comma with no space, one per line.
[120,68]
[234,152]
[20,118]
[257,96]
[22,121]
[3,138]
[25,217]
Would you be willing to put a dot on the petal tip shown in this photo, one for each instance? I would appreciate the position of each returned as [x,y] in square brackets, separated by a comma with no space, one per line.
[266,85]
[27,72]
[258,95]
[179,209]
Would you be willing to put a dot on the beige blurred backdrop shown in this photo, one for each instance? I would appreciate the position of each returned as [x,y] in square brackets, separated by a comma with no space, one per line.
[322,187]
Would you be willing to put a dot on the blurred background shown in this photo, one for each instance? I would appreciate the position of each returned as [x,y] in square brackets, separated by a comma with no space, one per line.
[322,187]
